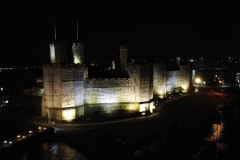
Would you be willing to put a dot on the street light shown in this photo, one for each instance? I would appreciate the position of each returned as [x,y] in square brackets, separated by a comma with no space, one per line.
[220,82]
[198,80]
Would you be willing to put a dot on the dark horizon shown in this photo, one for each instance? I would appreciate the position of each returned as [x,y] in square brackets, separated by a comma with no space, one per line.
[165,30]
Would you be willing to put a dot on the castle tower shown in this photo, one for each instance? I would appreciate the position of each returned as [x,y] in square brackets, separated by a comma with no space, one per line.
[58,52]
[78,52]
[123,58]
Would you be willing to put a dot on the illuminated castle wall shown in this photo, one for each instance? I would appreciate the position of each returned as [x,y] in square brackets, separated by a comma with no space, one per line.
[69,92]
[109,94]
[159,79]
[63,90]
[179,78]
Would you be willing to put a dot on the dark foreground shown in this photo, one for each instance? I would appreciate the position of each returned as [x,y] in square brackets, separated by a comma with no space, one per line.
[176,137]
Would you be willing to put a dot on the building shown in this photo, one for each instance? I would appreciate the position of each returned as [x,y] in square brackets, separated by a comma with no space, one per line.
[72,90]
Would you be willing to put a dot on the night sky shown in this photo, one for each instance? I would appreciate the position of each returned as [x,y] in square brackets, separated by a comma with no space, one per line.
[163,29]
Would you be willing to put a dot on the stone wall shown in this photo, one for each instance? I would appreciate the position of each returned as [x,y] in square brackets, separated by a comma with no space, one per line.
[146,83]
[64,88]
[108,108]
[70,94]
[184,77]
[172,81]
[159,79]
[110,94]
[109,91]
[178,79]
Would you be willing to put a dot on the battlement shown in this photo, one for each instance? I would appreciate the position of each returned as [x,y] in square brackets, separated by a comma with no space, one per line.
[58,43]
[78,44]
[123,47]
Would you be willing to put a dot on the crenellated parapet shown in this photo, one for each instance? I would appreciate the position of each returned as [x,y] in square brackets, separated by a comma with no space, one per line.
[58,43]
[78,45]
[123,47]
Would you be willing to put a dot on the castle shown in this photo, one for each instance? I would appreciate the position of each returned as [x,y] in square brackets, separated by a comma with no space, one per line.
[71,91]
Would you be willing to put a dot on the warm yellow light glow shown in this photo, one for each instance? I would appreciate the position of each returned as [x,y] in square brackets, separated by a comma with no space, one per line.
[142,107]
[18,136]
[152,107]
[198,80]
[161,91]
[185,87]
[69,114]
[39,127]
[220,82]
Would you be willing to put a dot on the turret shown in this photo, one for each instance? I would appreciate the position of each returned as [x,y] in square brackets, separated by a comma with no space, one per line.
[58,52]
[78,52]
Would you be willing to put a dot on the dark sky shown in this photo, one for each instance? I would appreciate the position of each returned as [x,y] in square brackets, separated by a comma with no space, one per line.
[149,28]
